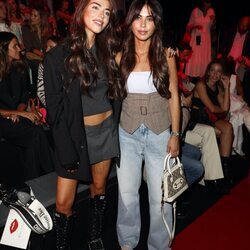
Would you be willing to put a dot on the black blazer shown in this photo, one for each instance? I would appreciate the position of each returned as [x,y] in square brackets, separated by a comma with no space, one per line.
[65,116]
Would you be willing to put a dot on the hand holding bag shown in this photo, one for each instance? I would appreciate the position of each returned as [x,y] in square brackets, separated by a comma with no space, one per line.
[174,183]
[34,107]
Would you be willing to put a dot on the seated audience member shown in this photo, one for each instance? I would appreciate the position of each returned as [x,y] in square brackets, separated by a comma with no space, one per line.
[190,158]
[201,135]
[18,126]
[239,112]
[210,105]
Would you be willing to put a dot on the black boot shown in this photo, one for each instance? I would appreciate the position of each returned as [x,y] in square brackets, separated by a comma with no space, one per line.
[96,219]
[225,161]
[63,226]
[219,186]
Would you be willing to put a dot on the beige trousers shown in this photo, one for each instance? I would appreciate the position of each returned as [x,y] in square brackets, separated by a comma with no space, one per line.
[204,137]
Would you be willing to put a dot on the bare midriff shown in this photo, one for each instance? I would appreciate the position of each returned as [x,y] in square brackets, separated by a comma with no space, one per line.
[92,120]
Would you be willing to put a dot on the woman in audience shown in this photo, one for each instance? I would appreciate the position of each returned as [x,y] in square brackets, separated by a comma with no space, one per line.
[81,78]
[200,135]
[35,36]
[17,125]
[210,105]
[150,107]
[239,112]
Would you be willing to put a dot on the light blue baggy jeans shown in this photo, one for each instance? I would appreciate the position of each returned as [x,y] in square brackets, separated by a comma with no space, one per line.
[145,145]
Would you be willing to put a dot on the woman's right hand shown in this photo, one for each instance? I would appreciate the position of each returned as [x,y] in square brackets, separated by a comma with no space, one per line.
[225,81]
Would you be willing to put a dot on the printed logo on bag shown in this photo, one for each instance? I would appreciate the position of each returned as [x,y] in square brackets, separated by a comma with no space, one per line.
[41,213]
[13,226]
[178,183]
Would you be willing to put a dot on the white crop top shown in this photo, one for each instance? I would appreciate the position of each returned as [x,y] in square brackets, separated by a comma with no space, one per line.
[140,83]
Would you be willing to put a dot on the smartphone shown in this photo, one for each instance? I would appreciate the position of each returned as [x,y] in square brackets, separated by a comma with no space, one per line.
[198,40]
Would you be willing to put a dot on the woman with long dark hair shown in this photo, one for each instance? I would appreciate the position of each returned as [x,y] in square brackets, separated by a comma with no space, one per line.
[17,125]
[151,106]
[81,83]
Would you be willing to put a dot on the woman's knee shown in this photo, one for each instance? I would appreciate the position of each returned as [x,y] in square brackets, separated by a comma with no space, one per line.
[98,186]
[64,205]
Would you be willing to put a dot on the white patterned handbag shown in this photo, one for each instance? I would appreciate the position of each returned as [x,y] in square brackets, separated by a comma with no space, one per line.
[174,181]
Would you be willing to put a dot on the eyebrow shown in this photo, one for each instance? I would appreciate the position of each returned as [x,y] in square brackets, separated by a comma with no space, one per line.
[145,15]
[100,5]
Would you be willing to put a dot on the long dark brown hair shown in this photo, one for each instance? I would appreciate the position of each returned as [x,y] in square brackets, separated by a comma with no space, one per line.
[5,39]
[44,25]
[156,53]
[5,64]
[81,61]
[221,62]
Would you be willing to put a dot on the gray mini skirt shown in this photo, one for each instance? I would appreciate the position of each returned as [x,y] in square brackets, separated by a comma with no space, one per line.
[102,140]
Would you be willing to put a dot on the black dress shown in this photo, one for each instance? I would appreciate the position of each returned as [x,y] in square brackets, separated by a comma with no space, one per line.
[199,113]
[24,134]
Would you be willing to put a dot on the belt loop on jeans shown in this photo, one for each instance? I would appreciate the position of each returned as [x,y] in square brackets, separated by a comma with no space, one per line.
[143,110]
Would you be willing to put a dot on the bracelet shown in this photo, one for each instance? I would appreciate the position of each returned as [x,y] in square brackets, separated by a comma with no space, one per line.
[177,134]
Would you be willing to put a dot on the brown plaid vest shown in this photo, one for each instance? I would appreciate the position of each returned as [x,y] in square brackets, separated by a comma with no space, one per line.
[149,109]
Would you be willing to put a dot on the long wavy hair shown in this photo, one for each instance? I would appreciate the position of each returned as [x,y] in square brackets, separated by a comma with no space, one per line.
[156,53]
[44,25]
[219,61]
[5,39]
[81,61]
[5,64]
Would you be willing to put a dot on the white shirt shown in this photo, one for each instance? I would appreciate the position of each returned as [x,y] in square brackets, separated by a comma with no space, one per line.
[140,82]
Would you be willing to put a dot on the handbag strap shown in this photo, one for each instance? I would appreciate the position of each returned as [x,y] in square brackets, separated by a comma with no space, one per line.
[167,168]
[170,233]
[167,162]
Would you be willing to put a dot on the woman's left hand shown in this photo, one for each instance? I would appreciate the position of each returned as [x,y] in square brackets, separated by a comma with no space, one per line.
[173,145]
[171,52]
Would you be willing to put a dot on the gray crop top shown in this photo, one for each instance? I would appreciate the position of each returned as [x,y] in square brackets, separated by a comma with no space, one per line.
[97,101]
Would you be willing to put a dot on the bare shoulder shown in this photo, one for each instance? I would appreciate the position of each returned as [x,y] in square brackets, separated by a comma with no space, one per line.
[200,85]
